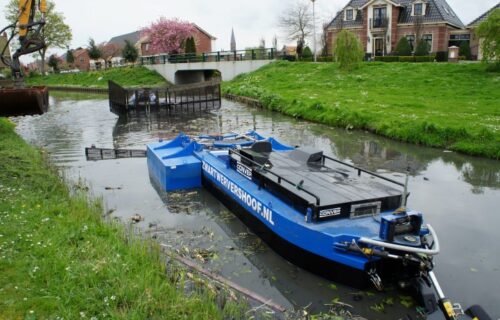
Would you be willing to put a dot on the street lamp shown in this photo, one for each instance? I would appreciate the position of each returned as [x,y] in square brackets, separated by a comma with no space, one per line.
[314,31]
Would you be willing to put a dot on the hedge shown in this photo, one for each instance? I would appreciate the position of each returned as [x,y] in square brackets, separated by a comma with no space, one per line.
[405,58]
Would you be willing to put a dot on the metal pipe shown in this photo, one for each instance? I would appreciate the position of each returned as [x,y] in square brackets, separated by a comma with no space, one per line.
[436,285]
[398,247]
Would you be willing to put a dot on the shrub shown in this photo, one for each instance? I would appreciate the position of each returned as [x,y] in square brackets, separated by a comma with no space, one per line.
[387,58]
[130,52]
[403,47]
[407,59]
[325,59]
[424,58]
[289,58]
[442,56]
[33,73]
[348,50]
[422,48]
[307,54]
[464,50]
[93,50]
[54,63]
[190,46]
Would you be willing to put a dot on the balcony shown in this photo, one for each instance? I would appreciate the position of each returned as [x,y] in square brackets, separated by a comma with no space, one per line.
[379,23]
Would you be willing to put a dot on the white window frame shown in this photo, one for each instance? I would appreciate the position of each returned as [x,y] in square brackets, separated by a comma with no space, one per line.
[353,14]
[424,8]
[432,40]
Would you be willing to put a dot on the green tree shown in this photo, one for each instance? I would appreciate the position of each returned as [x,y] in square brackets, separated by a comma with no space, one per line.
[489,33]
[403,47]
[129,52]
[464,50]
[93,50]
[307,54]
[348,50]
[56,33]
[70,58]
[422,48]
[190,46]
[54,63]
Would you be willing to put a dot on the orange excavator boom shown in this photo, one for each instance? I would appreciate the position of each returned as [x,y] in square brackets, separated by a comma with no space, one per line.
[15,98]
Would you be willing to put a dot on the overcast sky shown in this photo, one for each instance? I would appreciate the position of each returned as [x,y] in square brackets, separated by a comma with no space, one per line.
[251,19]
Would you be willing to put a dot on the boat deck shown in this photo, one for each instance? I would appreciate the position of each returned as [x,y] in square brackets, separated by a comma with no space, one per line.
[332,184]
[305,177]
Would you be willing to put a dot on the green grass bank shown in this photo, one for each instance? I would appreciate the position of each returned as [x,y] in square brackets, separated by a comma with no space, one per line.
[60,259]
[125,76]
[453,106]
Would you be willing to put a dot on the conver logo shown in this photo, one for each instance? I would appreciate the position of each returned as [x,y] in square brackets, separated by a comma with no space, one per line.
[329,212]
[244,170]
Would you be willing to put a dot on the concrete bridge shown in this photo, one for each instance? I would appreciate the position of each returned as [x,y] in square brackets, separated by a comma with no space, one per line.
[189,68]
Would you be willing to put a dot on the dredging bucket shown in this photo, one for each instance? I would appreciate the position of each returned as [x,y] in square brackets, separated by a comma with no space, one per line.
[23,101]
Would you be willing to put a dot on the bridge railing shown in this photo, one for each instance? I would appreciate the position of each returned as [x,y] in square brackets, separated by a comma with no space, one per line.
[217,56]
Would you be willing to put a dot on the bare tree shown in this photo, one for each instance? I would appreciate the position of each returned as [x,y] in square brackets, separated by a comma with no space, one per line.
[296,22]
[418,28]
[340,21]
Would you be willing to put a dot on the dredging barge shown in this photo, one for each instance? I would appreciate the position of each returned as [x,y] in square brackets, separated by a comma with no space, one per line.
[335,219]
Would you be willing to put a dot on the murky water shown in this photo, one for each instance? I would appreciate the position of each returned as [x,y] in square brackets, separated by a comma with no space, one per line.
[459,195]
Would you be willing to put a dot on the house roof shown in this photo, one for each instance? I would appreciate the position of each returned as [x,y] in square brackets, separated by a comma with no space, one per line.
[203,31]
[437,11]
[133,37]
[79,52]
[483,17]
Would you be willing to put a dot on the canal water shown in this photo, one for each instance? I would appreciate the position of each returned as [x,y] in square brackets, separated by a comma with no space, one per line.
[460,196]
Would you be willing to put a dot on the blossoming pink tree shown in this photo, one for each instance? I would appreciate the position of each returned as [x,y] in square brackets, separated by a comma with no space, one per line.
[168,35]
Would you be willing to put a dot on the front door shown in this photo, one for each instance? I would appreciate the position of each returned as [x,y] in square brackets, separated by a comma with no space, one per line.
[379,46]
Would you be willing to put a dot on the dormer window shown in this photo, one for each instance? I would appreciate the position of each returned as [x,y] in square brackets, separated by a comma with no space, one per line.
[349,14]
[418,8]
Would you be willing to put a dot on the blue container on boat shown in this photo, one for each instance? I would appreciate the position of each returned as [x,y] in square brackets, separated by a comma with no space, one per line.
[173,165]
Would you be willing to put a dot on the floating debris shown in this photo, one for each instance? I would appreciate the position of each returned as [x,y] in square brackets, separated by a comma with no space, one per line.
[112,188]
[136,218]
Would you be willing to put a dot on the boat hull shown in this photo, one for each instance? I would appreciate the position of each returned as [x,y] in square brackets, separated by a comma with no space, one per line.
[302,258]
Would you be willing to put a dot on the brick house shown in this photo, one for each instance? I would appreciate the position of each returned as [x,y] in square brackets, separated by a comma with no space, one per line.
[203,40]
[82,59]
[475,42]
[381,23]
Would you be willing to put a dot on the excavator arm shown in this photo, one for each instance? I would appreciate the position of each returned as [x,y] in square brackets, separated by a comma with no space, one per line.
[30,34]
[18,100]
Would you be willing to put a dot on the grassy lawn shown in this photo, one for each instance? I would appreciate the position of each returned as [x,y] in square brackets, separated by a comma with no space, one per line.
[59,259]
[125,76]
[454,106]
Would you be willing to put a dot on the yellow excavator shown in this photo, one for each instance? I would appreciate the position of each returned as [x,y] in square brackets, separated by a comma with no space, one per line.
[15,98]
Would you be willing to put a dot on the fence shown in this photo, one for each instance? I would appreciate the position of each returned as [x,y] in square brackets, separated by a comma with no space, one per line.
[238,55]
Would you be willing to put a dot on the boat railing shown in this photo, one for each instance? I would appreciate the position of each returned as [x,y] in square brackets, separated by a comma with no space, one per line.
[280,178]
[362,170]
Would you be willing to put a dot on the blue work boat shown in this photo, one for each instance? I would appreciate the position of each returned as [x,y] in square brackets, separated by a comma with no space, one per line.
[335,219]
